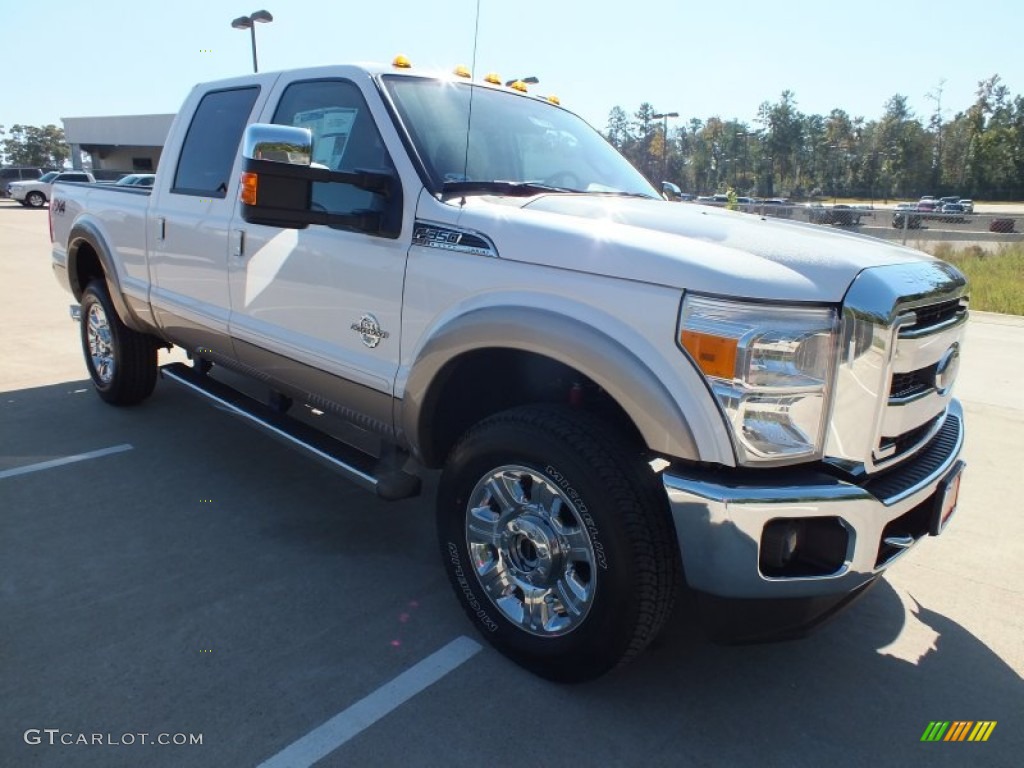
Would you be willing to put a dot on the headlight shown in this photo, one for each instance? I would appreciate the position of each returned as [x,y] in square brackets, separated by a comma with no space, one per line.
[770,367]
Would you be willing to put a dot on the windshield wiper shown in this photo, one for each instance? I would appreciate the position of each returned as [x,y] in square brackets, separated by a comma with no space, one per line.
[511,188]
[620,193]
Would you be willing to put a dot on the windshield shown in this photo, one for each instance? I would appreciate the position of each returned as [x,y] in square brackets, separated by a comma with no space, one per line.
[513,138]
[48,176]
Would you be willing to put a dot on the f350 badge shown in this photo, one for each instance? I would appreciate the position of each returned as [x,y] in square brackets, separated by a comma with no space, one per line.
[369,329]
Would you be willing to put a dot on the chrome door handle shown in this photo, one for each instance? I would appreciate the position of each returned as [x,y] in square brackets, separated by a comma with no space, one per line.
[239,246]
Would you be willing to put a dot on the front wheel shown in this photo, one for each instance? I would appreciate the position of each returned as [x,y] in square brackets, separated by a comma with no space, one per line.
[36,199]
[121,362]
[556,542]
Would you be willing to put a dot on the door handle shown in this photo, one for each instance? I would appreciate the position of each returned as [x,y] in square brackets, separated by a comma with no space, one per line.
[239,243]
[161,228]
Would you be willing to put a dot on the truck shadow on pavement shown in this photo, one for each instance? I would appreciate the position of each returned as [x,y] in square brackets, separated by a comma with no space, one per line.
[860,691]
[863,688]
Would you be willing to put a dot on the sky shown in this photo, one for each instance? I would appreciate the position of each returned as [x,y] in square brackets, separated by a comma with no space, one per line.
[68,58]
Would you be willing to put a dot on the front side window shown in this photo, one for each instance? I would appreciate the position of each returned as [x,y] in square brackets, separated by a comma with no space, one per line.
[211,144]
[345,138]
[507,136]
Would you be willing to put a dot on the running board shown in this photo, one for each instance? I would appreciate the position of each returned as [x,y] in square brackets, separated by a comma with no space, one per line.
[360,468]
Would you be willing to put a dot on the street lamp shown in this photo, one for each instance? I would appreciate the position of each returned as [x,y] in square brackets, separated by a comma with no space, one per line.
[664,116]
[742,136]
[249,22]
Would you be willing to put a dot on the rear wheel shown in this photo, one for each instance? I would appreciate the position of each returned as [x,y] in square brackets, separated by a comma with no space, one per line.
[36,199]
[121,362]
[556,542]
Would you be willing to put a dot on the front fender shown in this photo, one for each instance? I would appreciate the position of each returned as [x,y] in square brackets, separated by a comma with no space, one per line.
[622,374]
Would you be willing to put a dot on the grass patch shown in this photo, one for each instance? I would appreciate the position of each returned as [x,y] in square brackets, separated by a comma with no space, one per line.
[996,278]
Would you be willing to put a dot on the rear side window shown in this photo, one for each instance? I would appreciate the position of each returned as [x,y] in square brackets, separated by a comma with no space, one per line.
[211,143]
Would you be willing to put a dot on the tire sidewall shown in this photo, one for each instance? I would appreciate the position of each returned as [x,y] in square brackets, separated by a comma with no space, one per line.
[608,624]
[35,199]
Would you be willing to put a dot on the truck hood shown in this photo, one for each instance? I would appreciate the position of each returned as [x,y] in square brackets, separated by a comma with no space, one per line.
[681,245]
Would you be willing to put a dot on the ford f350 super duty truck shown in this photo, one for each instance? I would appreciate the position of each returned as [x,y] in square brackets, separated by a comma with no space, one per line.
[624,396]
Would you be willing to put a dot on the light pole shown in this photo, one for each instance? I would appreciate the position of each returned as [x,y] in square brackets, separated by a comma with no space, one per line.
[664,116]
[249,22]
[742,136]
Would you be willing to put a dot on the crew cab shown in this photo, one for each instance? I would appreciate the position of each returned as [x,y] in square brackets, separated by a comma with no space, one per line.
[36,193]
[617,391]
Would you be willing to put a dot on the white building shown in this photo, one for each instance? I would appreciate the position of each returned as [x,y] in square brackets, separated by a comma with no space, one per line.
[126,143]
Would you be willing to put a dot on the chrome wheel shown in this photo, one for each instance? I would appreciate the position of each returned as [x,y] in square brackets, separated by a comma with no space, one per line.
[531,551]
[101,343]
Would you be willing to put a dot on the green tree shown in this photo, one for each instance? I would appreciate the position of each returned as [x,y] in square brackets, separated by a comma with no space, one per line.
[31,145]
[618,132]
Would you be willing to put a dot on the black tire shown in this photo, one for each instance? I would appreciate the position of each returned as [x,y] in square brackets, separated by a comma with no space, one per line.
[621,512]
[35,199]
[124,368]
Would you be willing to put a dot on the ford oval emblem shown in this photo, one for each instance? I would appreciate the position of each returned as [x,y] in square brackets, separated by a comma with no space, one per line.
[946,370]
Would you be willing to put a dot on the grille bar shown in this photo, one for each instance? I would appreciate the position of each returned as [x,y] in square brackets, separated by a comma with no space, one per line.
[901,323]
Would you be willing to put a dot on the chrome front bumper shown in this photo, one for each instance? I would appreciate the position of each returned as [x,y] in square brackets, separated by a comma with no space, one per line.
[720,521]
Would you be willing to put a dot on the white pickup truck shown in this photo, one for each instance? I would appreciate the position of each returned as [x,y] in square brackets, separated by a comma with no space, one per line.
[623,395]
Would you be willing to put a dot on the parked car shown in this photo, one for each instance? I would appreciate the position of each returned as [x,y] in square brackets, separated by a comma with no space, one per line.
[968,205]
[841,214]
[36,194]
[949,200]
[906,216]
[11,175]
[718,200]
[777,206]
[954,213]
[136,180]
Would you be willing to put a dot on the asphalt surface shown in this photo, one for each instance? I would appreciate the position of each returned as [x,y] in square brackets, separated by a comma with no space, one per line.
[210,581]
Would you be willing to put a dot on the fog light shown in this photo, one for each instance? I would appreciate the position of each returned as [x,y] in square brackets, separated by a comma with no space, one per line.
[806,546]
[778,544]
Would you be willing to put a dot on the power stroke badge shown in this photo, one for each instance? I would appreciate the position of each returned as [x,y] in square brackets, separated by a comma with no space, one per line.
[369,330]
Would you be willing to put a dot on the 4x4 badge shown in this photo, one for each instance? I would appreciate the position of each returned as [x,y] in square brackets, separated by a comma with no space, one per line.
[369,329]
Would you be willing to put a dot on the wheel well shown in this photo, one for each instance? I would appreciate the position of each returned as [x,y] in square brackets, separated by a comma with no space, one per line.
[87,267]
[483,382]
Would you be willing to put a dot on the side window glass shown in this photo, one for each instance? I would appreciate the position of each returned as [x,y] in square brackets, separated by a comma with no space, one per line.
[211,144]
[345,138]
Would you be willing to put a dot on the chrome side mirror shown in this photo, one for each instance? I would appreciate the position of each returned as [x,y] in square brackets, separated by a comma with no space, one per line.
[278,144]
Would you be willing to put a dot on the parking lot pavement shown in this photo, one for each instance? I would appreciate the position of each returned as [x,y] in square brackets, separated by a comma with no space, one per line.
[207,581]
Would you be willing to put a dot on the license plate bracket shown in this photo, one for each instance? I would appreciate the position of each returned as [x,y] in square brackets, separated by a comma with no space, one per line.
[947,495]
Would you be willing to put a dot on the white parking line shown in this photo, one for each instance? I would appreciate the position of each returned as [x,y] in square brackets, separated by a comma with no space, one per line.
[65,460]
[323,740]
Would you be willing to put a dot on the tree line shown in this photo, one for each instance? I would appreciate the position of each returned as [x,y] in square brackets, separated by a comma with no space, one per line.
[34,146]
[978,153]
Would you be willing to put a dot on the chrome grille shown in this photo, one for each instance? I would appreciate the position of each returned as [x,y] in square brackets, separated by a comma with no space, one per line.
[901,325]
